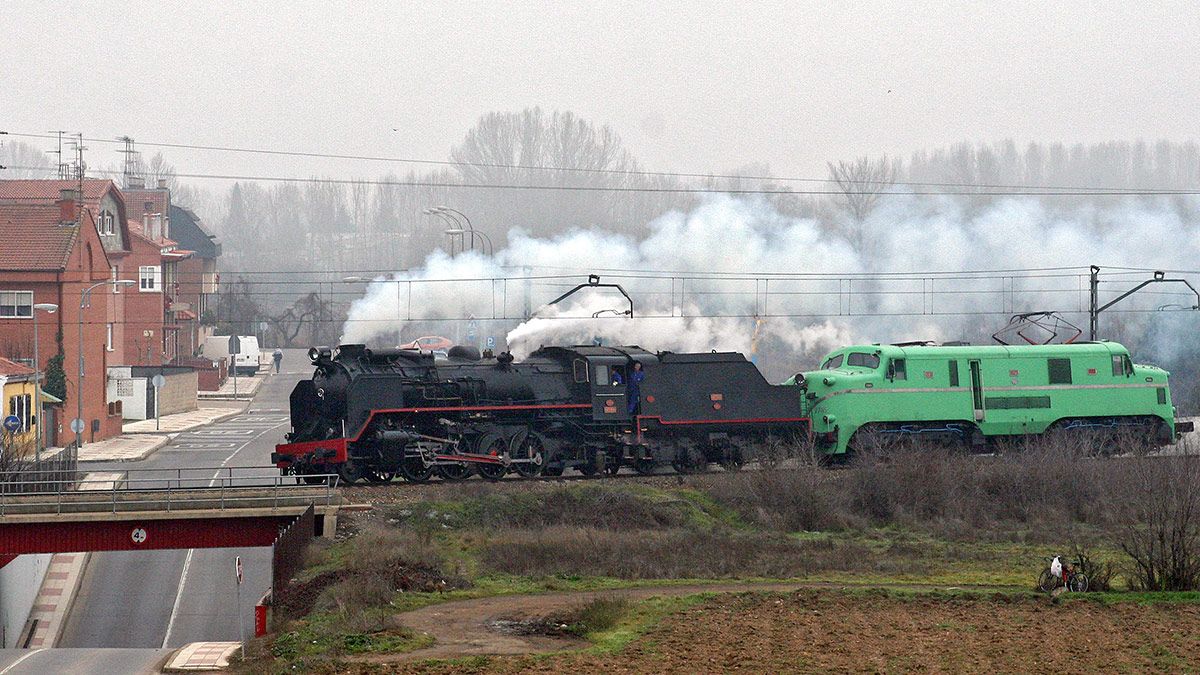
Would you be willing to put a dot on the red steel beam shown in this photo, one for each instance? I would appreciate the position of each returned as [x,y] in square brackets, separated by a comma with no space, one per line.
[133,535]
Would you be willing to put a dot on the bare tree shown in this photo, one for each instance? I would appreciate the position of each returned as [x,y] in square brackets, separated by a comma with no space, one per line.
[1162,522]
[22,160]
[862,182]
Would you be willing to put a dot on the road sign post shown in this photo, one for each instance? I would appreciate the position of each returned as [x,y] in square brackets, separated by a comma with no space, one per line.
[235,348]
[237,568]
[158,381]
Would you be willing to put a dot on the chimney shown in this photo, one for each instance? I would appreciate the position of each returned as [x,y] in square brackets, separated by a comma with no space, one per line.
[146,225]
[67,209]
[162,183]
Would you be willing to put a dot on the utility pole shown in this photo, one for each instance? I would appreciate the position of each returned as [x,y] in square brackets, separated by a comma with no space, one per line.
[63,167]
[1093,311]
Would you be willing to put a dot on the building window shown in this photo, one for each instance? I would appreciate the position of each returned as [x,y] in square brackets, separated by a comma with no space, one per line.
[16,304]
[150,279]
[20,406]
[108,344]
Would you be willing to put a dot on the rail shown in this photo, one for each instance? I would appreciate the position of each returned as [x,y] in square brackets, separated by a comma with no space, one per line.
[169,490]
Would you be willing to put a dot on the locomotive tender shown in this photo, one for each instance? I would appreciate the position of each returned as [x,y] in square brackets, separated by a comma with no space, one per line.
[977,396]
[377,413]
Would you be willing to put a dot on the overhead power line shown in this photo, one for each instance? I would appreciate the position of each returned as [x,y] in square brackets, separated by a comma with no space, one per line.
[1022,192]
[1058,189]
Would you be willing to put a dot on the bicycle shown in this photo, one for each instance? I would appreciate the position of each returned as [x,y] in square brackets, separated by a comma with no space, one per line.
[1077,582]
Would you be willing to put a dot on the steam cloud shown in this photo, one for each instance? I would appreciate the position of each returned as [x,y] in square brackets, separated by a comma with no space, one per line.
[749,237]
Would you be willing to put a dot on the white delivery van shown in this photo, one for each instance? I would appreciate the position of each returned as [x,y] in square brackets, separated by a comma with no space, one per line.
[245,360]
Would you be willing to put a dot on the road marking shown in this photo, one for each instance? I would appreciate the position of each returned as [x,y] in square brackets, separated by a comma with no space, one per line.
[16,663]
[187,562]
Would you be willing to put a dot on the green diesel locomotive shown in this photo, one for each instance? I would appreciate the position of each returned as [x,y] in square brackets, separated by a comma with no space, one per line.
[973,396]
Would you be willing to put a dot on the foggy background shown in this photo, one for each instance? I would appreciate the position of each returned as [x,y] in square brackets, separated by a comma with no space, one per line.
[885,172]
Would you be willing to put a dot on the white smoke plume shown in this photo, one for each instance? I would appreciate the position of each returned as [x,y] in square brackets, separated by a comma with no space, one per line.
[799,318]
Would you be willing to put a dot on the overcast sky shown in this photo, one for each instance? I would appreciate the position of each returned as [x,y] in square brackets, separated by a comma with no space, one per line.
[690,86]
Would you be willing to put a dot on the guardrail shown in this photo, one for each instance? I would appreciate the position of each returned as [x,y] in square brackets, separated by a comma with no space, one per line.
[50,474]
[135,491]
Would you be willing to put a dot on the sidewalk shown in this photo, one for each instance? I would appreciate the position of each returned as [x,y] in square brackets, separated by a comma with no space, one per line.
[197,656]
[246,387]
[130,448]
[184,421]
[54,600]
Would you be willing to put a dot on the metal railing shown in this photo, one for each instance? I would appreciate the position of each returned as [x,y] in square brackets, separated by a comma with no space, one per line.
[169,490]
[51,474]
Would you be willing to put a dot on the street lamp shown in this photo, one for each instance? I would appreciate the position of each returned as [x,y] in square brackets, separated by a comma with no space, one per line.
[37,378]
[84,300]
[452,222]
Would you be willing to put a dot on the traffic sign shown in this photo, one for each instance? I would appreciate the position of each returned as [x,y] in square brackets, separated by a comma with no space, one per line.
[491,342]
[158,381]
[77,425]
[12,424]
[138,535]
[235,346]
[237,564]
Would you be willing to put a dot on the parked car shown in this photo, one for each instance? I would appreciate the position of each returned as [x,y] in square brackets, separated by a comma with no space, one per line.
[429,343]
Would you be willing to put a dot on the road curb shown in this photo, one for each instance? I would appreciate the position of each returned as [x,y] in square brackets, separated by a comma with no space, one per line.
[142,453]
[201,656]
[232,412]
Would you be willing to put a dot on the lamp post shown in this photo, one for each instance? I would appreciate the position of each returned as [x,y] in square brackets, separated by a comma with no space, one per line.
[48,308]
[454,224]
[84,300]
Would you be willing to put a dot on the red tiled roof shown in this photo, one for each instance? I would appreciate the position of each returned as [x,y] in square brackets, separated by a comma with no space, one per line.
[31,237]
[12,368]
[34,190]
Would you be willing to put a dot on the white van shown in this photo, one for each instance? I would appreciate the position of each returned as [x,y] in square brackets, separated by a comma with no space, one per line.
[245,361]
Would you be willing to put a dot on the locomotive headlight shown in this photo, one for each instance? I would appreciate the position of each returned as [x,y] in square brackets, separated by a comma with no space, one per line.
[828,419]
[829,381]
[313,353]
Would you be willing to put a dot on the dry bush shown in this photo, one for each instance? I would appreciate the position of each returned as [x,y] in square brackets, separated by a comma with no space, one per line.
[1161,519]
[597,614]
[674,553]
[805,498]
[1099,573]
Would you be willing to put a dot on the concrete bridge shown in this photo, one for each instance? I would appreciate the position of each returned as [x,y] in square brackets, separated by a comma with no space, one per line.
[136,510]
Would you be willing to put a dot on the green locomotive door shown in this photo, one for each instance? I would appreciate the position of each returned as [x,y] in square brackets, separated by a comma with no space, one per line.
[977,390]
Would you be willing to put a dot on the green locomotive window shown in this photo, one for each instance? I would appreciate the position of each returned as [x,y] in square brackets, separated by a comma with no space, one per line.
[897,370]
[1060,371]
[954,373]
[865,360]
[1162,395]
[832,363]
[1118,365]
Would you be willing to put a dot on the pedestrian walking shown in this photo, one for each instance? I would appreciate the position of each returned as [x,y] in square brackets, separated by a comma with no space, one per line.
[278,357]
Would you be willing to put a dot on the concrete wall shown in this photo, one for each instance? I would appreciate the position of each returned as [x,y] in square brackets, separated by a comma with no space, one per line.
[20,581]
[129,385]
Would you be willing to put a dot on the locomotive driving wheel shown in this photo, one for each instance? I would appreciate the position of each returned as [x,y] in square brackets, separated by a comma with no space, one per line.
[455,471]
[414,470]
[533,450]
[493,446]
[349,472]
[379,477]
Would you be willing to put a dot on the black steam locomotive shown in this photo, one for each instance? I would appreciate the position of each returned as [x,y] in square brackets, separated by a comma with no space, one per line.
[376,413]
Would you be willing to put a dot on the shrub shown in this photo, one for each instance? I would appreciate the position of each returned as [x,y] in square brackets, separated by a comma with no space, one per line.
[1161,518]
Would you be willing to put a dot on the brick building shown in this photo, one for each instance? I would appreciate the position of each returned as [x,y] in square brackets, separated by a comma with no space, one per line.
[54,244]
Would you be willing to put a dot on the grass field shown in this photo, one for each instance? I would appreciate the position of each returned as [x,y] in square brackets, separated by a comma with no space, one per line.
[947,556]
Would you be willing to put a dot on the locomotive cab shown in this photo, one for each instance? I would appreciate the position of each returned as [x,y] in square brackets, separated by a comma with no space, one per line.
[607,375]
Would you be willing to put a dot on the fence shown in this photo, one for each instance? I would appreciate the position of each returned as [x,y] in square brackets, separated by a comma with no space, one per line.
[54,473]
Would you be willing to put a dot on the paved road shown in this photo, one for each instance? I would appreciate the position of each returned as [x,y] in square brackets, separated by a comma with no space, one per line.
[124,661]
[157,599]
